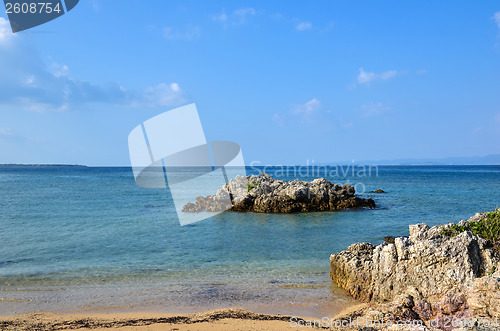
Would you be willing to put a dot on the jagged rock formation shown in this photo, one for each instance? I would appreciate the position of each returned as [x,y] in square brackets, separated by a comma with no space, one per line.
[263,194]
[427,276]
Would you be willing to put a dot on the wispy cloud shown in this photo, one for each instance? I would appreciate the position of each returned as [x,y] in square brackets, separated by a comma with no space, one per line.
[303,112]
[161,95]
[236,17]
[496,17]
[374,109]
[59,70]
[245,15]
[5,132]
[477,130]
[29,83]
[242,15]
[314,115]
[303,26]
[365,77]
[279,119]
[308,108]
[96,6]
[6,34]
[222,17]
[277,16]
[190,33]
[7,135]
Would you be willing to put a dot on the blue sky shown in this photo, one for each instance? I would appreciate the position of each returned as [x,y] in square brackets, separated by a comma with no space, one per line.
[289,81]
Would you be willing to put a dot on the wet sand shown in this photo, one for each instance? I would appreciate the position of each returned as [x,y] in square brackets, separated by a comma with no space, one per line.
[289,299]
[163,308]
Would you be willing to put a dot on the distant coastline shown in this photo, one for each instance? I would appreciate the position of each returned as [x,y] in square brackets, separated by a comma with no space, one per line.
[492,159]
[14,165]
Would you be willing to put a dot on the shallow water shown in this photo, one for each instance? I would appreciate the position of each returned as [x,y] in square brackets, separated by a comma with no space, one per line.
[96,238]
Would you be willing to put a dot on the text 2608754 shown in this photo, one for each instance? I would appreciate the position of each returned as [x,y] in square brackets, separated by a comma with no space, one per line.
[33,7]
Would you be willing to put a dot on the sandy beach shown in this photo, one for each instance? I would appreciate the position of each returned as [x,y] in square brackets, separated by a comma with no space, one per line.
[226,319]
[222,319]
[127,308]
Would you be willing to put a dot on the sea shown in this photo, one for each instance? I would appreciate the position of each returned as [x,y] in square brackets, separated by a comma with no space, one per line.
[88,238]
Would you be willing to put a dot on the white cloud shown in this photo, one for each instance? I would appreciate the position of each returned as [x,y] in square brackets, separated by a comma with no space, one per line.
[5,132]
[374,109]
[237,17]
[328,27]
[175,87]
[312,114]
[305,113]
[308,108]
[366,77]
[161,95]
[496,17]
[277,16]
[96,6]
[222,17]
[27,82]
[477,130]
[347,125]
[30,81]
[6,135]
[243,14]
[59,70]
[279,119]
[302,26]
[5,31]
[388,74]
[175,34]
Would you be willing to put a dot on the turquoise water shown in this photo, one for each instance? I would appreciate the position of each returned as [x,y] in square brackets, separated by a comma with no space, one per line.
[77,227]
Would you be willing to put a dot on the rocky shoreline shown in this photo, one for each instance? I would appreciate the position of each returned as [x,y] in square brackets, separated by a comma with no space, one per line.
[264,194]
[445,282]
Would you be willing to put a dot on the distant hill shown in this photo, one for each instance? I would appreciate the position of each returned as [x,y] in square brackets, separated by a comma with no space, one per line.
[493,159]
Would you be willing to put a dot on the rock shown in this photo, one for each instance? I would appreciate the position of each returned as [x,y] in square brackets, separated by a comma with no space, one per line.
[452,303]
[377,191]
[484,296]
[418,231]
[263,194]
[389,239]
[433,276]
[356,258]
[380,317]
[404,300]
[423,309]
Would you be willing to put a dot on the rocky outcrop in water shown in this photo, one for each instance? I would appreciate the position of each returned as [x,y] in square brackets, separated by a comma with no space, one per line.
[377,191]
[263,194]
[427,276]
